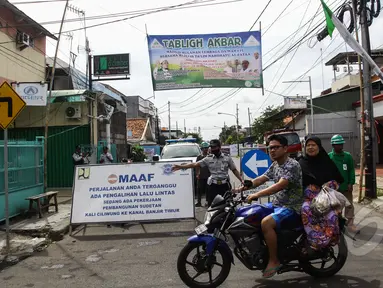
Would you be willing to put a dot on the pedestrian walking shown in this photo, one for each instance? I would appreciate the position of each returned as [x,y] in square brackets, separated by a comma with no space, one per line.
[218,164]
[345,164]
[202,174]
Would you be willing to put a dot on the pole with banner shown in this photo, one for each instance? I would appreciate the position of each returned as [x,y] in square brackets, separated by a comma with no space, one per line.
[11,104]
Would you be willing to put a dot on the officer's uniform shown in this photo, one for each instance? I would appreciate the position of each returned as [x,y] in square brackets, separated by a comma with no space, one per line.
[218,182]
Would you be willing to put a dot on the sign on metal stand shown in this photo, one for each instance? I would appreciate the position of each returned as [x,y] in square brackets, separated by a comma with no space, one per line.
[254,162]
[11,104]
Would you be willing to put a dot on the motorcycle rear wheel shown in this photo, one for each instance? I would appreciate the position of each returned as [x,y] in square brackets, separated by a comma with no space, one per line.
[188,280]
[334,268]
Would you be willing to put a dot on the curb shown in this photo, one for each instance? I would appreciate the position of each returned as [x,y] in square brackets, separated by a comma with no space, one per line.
[373,204]
[13,259]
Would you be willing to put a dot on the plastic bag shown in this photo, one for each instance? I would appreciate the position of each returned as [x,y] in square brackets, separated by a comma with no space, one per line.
[334,202]
[343,201]
[320,205]
[328,199]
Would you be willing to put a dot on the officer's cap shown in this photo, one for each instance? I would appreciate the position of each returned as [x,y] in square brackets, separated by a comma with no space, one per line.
[215,143]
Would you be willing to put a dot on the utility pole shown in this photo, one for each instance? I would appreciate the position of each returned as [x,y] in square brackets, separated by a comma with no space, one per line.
[362,130]
[157,128]
[370,137]
[177,129]
[185,126]
[170,128]
[49,100]
[248,114]
[237,129]
[311,99]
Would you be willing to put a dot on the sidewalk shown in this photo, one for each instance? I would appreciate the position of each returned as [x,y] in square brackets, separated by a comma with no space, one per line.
[34,234]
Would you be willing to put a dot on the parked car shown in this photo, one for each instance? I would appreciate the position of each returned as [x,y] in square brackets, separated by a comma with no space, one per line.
[293,140]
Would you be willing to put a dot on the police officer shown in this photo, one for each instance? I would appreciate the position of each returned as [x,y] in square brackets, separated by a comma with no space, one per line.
[218,164]
[203,174]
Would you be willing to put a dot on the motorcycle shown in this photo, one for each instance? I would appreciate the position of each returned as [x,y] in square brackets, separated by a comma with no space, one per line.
[227,216]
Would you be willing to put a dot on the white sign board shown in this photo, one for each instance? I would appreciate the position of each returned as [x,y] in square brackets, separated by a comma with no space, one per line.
[233,150]
[131,192]
[34,94]
[298,102]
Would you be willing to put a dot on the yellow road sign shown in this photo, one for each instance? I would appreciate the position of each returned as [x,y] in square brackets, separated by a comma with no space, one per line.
[11,104]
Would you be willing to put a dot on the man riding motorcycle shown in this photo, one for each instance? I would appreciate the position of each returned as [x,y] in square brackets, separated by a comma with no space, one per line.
[288,196]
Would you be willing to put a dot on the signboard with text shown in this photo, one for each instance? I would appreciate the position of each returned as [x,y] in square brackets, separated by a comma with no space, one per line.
[227,60]
[132,192]
[34,94]
[296,102]
[111,65]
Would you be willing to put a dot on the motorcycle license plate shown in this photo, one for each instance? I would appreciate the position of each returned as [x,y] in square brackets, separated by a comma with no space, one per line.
[200,229]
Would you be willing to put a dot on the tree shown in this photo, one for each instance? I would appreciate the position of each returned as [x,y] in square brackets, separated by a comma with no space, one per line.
[228,135]
[138,154]
[262,124]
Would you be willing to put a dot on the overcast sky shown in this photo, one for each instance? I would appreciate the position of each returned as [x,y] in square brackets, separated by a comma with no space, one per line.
[129,37]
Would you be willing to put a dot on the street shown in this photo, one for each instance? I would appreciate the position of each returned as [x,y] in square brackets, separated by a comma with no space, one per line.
[146,255]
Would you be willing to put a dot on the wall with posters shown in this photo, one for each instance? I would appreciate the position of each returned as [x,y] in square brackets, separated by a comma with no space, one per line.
[205,61]
[132,192]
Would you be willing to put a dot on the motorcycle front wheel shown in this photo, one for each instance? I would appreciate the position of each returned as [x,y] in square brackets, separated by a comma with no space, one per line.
[201,266]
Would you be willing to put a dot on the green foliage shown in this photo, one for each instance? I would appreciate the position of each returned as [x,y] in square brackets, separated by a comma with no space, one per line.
[228,135]
[262,124]
[138,154]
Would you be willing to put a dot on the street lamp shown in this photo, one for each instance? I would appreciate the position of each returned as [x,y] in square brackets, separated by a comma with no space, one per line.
[237,130]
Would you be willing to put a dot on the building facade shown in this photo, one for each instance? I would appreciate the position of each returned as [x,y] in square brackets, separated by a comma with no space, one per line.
[23,46]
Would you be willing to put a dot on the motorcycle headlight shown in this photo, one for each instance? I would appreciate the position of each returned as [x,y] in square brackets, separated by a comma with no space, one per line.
[208,216]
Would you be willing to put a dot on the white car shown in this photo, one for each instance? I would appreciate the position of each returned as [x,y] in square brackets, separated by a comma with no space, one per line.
[180,151]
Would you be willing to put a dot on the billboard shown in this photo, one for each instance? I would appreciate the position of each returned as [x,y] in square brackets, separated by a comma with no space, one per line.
[230,60]
[111,65]
[297,102]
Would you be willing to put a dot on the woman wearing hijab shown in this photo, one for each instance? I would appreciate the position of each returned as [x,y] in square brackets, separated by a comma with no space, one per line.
[318,170]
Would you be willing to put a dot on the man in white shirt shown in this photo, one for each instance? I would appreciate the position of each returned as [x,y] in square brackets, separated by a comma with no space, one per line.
[106,157]
[78,157]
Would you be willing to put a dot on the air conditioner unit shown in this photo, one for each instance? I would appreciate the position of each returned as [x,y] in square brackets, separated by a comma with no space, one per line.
[73,112]
[23,39]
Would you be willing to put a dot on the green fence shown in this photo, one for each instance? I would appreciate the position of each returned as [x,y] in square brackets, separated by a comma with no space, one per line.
[25,174]
[61,145]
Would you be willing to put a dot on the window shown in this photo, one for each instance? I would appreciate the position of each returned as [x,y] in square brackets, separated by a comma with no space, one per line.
[292,138]
[180,151]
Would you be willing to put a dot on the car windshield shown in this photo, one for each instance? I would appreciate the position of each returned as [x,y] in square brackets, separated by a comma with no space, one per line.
[292,138]
[180,151]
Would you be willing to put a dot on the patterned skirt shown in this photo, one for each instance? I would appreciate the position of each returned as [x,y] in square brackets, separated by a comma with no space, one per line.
[322,231]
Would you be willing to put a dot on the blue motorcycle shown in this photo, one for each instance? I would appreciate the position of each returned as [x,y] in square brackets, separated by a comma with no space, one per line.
[227,218]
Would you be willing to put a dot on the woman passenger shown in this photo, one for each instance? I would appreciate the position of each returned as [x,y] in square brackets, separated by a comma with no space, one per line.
[318,169]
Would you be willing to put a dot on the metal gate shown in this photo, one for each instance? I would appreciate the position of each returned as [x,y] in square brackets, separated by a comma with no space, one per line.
[25,174]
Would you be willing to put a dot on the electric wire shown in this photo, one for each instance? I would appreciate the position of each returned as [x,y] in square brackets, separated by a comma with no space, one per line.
[300,24]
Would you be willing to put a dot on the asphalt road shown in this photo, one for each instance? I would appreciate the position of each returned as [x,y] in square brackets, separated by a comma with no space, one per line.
[146,255]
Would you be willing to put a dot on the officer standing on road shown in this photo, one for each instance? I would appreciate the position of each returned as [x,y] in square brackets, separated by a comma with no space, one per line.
[203,174]
[218,164]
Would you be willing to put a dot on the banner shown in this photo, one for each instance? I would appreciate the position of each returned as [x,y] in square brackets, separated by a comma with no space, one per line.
[230,60]
[131,192]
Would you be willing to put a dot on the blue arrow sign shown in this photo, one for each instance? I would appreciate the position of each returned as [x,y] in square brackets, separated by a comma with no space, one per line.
[254,163]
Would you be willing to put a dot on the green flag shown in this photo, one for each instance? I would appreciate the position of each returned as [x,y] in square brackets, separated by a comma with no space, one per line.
[329,22]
